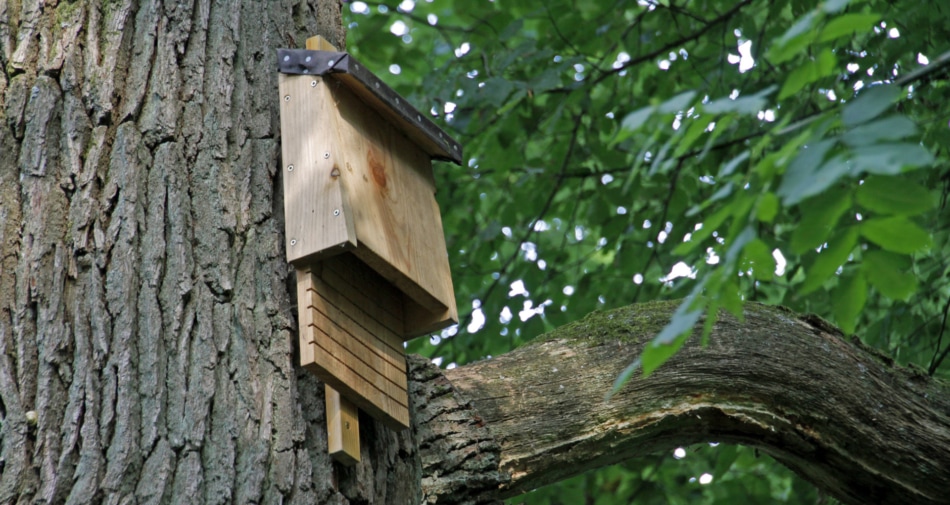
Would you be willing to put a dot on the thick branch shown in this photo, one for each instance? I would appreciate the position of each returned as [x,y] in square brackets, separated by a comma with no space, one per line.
[841,416]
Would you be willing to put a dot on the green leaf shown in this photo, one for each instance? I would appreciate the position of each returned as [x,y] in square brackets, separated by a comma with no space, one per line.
[890,159]
[833,6]
[848,24]
[808,73]
[807,175]
[737,244]
[624,377]
[886,129]
[819,217]
[829,260]
[726,455]
[733,164]
[768,208]
[709,225]
[749,105]
[496,90]
[637,118]
[671,338]
[894,195]
[870,104]
[758,257]
[794,39]
[848,300]
[890,273]
[696,128]
[678,103]
[897,234]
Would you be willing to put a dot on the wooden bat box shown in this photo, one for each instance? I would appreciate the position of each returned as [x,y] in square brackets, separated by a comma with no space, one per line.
[363,228]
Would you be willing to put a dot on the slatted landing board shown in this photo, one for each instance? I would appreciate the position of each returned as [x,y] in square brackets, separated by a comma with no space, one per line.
[350,321]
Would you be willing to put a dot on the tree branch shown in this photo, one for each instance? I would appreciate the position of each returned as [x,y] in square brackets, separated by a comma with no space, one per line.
[840,415]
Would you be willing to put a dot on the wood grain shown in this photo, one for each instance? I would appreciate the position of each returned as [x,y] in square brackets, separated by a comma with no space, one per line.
[318,219]
[343,428]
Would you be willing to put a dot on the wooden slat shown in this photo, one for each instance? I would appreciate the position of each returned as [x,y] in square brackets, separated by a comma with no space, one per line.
[318,219]
[352,343]
[344,313]
[331,370]
[358,283]
[343,428]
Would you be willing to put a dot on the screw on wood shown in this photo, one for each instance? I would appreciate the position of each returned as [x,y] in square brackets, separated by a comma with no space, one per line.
[313,84]
[286,98]
[326,156]
[293,241]
[290,168]
[336,212]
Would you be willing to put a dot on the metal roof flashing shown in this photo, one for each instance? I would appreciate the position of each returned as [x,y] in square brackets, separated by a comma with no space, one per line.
[371,89]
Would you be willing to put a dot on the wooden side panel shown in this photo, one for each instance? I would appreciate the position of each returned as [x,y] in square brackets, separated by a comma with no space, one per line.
[349,342]
[305,317]
[389,183]
[318,219]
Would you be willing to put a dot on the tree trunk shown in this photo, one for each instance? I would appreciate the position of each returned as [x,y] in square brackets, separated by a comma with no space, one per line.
[147,330]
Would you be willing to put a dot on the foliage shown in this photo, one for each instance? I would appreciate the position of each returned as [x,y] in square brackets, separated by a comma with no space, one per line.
[786,151]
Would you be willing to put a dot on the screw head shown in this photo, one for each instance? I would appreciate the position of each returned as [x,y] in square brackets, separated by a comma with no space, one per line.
[290,168]
[293,241]
[313,84]
[336,212]
[286,98]
[326,156]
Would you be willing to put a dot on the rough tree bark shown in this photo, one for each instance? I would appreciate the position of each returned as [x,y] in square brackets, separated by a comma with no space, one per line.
[146,325]
[840,415]
[147,321]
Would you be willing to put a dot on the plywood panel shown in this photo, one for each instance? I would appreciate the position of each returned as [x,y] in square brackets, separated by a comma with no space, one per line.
[388,181]
[316,210]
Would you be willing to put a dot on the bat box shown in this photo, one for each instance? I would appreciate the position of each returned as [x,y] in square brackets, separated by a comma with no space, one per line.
[363,228]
